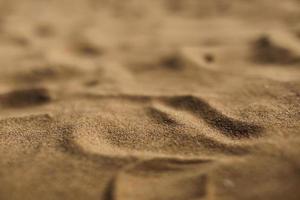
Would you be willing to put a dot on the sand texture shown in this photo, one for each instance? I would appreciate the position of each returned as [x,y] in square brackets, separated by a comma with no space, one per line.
[150,100]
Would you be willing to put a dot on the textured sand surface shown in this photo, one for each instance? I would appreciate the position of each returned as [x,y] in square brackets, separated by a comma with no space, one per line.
[147,100]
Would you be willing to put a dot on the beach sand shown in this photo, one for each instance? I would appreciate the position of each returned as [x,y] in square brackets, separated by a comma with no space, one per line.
[150,100]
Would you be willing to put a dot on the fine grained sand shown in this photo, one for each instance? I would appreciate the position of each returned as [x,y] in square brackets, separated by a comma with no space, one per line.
[163,99]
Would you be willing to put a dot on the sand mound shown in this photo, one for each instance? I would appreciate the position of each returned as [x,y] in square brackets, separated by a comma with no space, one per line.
[265,51]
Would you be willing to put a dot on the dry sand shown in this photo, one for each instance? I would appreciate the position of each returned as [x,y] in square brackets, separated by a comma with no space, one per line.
[146,100]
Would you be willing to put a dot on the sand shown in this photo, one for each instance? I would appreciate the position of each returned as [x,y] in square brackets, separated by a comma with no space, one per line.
[147,100]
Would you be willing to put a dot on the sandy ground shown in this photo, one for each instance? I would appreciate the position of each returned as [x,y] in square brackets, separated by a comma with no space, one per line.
[148,100]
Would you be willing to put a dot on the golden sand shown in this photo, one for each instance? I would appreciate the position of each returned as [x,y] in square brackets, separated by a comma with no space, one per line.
[150,100]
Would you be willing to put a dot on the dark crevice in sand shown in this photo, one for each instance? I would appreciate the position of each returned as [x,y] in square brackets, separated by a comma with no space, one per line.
[91,83]
[211,144]
[209,58]
[110,190]
[219,147]
[266,52]
[25,97]
[85,48]
[161,117]
[173,62]
[227,125]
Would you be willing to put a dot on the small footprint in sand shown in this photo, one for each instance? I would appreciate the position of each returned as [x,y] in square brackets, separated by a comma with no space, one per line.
[166,132]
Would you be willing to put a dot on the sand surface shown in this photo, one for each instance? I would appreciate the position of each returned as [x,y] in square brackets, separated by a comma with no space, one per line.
[150,100]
